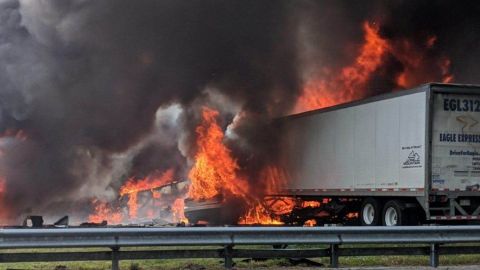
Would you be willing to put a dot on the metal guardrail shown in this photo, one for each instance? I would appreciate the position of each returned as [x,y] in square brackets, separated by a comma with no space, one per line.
[433,239]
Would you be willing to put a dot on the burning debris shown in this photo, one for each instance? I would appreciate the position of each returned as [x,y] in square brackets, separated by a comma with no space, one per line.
[101,116]
[132,187]
[103,211]
[214,172]
[151,200]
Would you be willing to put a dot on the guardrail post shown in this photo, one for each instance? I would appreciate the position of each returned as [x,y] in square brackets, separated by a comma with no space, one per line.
[227,255]
[434,255]
[115,259]
[334,255]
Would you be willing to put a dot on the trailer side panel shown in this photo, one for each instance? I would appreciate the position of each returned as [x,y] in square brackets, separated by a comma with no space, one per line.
[372,147]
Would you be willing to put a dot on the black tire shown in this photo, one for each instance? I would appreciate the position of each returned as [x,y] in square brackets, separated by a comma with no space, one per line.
[374,219]
[393,214]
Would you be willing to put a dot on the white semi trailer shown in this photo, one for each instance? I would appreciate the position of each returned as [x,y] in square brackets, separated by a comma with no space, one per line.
[401,158]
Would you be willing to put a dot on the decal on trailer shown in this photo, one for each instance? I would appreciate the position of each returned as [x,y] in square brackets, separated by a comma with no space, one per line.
[412,159]
[456,142]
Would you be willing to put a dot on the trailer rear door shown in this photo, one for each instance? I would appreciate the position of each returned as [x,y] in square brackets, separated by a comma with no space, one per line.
[455,142]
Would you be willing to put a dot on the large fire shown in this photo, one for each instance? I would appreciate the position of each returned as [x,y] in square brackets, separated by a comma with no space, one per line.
[332,87]
[319,93]
[214,171]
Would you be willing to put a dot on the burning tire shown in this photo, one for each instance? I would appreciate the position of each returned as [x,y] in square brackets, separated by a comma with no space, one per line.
[370,212]
[393,213]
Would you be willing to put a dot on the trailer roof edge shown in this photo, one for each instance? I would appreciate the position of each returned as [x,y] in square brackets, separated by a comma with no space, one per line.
[418,89]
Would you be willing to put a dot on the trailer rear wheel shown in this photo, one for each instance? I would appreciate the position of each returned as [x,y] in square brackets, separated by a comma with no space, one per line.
[370,212]
[393,213]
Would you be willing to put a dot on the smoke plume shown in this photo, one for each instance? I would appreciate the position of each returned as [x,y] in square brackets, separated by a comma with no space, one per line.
[106,90]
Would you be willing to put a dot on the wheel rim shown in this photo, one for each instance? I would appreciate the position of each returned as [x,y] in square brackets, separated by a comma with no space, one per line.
[368,214]
[391,217]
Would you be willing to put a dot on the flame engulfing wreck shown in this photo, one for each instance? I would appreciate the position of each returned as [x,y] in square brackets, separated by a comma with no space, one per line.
[104,121]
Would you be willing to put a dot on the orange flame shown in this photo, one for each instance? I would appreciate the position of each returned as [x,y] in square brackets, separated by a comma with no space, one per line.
[103,212]
[351,80]
[4,211]
[215,170]
[178,211]
[447,77]
[259,214]
[417,68]
[133,186]
[352,215]
[156,194]
[267,211]
[274,178]
[312,204]
[18,135]
[310,223]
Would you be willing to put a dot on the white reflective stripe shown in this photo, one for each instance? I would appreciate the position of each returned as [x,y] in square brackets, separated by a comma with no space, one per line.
[358,190]
[453,217]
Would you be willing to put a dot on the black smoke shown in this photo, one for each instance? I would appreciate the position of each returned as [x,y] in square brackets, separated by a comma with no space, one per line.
[90,82]
[84,81]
